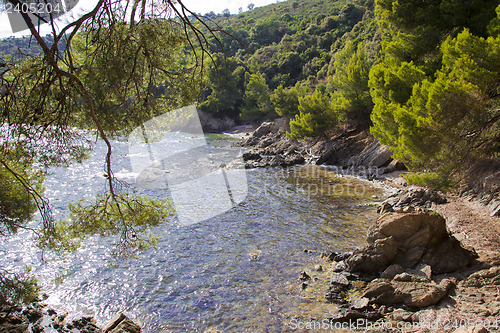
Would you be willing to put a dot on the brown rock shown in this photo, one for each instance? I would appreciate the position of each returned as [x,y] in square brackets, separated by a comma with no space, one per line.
[339,279]
[391,271]
[483,277]
[360,303]
[385,208]
[121,324]
[373,258]
[406,277]
[407,289]
[403,227]
[400,315]
[424,294]
[480,329]
[336,294]
[410,239]
[395,165]
[449,256]
[304,276]
[422,270]
[381,291]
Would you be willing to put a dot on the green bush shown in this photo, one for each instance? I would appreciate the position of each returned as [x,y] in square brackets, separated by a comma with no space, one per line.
[257,100]
[316,115]
[440,110]
[286,101]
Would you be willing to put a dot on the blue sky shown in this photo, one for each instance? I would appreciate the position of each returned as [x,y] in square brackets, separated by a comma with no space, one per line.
[198,6]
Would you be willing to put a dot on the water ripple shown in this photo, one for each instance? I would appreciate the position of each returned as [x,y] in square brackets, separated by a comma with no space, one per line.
[233,271]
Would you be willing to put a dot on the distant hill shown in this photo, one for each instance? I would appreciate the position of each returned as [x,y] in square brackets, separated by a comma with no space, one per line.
[13,47]
[284,44]
[295,40]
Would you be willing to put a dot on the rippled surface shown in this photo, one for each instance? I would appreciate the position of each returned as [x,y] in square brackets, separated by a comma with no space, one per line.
[236,272]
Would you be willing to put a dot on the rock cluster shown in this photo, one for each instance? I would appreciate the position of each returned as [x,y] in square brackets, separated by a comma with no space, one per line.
[414,197]
[408,240]
[271,147]
[121,324]
[350,149]
[35,318]
[402,267]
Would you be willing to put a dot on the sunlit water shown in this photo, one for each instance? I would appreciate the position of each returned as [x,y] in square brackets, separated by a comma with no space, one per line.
[236,272]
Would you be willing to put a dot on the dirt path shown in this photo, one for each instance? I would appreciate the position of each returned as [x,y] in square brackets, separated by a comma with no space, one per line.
[471,224]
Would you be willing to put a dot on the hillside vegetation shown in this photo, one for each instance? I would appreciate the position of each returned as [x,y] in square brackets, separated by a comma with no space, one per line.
[424,75]
[280,53]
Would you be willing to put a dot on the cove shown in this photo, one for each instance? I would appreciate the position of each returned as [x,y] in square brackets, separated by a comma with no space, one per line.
[237,271]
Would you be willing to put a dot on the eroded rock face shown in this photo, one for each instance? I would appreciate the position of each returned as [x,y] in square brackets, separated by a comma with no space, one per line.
[408,240]
[374,155]
[416,196]
[407,289]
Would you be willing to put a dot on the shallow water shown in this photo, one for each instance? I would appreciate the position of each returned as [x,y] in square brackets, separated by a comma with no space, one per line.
[236,272]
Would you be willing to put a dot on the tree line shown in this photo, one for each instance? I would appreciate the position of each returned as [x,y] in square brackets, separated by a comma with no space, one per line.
[423,76]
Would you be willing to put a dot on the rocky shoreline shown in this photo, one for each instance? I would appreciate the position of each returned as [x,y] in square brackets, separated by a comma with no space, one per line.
[349,149]
[37,317]
[412,274]
[432,261]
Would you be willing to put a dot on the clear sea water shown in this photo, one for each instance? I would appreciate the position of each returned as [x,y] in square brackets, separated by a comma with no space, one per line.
[235,272]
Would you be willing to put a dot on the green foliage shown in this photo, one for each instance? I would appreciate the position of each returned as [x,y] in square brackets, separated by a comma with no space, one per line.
[105,72]
[21,47]
[286,100]
[16,203]
[17,288]
[292,43]
[126,214]
[257,101]
[440,110]
[316,115]
[413,29]
[134,72]
[267,31]
[225,87]
[440,179]
[350,82]
[494,26]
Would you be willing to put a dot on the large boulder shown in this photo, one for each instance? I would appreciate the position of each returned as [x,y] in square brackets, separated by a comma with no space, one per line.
[407,289]
[408,240]
[264,129]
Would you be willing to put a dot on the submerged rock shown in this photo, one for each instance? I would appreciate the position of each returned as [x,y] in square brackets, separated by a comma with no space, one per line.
[373,258]
[304,276]
[337,293]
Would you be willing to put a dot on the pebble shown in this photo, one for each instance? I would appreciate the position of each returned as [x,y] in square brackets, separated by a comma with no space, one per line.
[304,276]
[318,268]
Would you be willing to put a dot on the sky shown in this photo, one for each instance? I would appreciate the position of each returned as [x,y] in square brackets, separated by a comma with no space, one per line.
[198,6]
